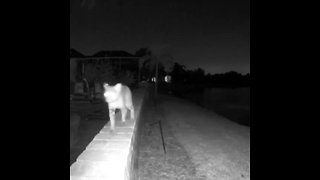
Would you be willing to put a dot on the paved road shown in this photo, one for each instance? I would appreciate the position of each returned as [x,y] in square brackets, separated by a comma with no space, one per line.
[155,162]
[218,147]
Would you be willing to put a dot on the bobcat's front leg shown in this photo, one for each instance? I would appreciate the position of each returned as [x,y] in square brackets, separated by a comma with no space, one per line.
[112,113]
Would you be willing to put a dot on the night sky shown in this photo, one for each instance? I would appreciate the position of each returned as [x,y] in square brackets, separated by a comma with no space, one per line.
[211,34]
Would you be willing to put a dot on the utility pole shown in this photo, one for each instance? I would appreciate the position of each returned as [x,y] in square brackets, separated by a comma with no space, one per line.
[156,83]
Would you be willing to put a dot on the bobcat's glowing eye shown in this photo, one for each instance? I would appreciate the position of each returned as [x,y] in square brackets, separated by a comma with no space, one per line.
[108,94]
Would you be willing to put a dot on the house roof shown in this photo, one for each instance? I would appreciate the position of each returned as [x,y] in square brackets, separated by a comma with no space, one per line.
[113,54]
[75,53]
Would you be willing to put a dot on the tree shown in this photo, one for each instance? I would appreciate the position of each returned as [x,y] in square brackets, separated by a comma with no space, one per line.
[178,73]
[144,69]
[155,59]
[105,73]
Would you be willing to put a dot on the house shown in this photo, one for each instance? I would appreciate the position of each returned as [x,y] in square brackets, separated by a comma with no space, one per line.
[120,61]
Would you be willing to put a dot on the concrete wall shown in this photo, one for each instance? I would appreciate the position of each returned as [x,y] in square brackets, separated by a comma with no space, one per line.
[111,156]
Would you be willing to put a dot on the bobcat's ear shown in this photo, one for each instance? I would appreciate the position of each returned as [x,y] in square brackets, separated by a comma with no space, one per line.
[117,87]
[105,85]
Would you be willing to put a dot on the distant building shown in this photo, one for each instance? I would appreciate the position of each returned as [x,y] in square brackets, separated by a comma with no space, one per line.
[121,61]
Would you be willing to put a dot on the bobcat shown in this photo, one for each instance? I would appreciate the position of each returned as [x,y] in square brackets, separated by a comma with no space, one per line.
[118,97]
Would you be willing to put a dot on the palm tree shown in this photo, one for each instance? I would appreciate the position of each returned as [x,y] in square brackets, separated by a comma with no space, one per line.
[152,59]
[144,53]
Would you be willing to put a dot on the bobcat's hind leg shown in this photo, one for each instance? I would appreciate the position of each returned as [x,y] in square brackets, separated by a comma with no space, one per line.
[124,114]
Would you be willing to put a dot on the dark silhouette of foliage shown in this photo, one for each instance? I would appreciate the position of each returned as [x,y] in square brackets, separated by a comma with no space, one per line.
[189,81]
[178,74]
[145,70]
[142,52]
[148,70]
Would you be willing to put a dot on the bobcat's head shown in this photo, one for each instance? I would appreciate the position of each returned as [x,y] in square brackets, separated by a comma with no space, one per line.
[111,93]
